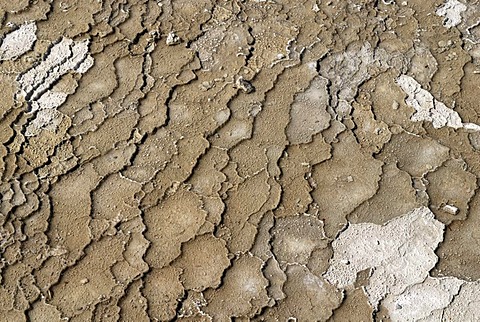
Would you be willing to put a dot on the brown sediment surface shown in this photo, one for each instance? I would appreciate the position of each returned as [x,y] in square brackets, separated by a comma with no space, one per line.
[247,160]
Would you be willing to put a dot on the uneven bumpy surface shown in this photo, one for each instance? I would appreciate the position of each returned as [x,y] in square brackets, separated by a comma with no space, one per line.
[239,160]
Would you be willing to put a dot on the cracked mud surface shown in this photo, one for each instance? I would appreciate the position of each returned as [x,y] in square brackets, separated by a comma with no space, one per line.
[246,160]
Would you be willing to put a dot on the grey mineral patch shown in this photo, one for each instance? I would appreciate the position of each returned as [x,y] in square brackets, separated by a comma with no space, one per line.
[466,305]
[436,300]
[308,115]
[423,301]
[346,71]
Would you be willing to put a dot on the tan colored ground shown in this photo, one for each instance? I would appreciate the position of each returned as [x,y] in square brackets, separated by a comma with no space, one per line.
[239,160]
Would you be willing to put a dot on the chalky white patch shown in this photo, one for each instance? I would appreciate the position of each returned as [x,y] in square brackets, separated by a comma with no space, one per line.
[399,253]
[37,83]
[428,108]
[452,12]
[18,42]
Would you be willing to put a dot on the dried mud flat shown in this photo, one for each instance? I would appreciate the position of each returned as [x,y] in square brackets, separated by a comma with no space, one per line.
[239,160]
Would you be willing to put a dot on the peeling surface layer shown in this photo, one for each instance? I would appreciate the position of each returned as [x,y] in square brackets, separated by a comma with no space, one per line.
[218,160]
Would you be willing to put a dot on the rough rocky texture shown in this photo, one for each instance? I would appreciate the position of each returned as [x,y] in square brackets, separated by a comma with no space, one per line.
[248,160]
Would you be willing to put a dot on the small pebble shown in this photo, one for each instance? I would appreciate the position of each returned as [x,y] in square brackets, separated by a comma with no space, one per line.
[244,85]
[172,39]
[450,209]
